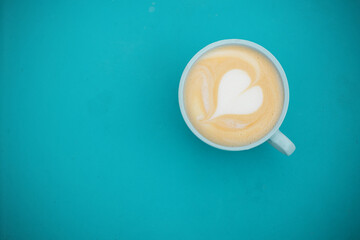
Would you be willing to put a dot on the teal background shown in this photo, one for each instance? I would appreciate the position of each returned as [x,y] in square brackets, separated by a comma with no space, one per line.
[93,145]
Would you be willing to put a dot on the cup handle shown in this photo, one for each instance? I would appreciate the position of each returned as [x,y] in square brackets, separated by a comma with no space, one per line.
[282,143]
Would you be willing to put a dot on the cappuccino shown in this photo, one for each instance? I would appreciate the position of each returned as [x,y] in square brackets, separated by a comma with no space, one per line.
[233,95]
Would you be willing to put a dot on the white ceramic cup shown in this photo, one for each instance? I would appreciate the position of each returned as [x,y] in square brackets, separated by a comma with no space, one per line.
[276,138]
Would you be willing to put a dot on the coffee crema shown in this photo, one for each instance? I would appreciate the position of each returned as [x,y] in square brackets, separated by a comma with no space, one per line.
[233,95]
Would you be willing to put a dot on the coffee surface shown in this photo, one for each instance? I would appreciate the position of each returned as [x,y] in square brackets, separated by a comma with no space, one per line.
[233,95]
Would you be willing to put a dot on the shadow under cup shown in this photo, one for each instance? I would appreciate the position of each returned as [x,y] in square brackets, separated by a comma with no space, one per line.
[274,137]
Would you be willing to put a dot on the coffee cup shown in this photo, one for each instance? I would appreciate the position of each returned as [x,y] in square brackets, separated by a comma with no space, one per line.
[234,96]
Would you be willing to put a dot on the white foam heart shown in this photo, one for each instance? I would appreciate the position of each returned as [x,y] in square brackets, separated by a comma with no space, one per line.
[234,97]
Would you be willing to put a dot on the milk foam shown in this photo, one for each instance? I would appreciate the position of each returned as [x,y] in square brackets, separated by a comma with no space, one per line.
[235,96]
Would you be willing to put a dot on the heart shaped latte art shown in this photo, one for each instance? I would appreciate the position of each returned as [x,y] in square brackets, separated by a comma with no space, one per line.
[234,97]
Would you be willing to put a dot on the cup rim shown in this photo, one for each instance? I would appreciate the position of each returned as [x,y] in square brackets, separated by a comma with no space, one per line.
[256,47]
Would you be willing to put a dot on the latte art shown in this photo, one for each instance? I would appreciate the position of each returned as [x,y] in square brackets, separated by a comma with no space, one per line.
[233,95]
